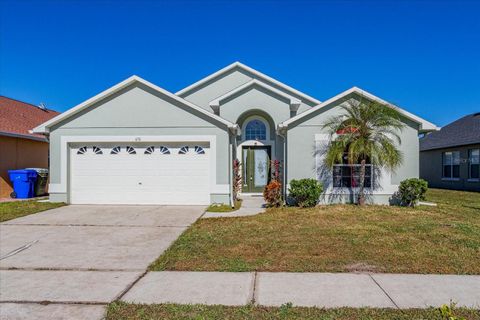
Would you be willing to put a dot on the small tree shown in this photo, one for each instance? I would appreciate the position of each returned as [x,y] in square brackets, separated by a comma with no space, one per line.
[365,130]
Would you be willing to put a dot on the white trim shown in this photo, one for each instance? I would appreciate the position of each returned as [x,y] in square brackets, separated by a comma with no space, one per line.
[256,73]
[450,179]
[425,125]
[23,136]
[322,137]
[44,127]
[294,102]
[65,141]
[256,117]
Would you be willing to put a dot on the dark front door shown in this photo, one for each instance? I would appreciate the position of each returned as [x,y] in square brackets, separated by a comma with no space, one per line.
[256,168]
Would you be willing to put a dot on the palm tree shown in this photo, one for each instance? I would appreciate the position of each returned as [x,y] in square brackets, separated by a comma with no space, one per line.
[366,131]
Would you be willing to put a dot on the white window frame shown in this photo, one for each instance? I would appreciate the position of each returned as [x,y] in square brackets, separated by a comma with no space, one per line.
[452,178]
[353,165]
[248,120]
[470,164]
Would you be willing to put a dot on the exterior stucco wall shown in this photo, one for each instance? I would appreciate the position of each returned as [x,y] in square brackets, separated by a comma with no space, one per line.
[17,153]
[209,91]
[139,111]
[431,169]
[304,157]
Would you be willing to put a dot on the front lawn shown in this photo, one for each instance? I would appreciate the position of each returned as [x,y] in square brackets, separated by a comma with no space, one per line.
[120,310]
[17,209]
[338,238]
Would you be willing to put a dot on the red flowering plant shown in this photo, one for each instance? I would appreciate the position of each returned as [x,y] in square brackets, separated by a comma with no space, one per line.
[273,190]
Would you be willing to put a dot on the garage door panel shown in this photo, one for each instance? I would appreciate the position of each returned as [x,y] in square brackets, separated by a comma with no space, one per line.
[139,178]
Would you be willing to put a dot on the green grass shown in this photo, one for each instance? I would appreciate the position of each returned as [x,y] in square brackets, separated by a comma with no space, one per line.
[120,310]
[338,238]
[224,207]
[17,209]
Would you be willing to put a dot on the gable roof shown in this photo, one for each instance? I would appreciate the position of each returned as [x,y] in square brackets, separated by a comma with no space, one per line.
[294,102]
[258,74]
[17,118]
[461,132]
[424,124]
[44,128]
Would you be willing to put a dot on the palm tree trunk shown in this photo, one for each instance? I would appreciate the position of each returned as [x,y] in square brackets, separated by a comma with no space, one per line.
[361,193]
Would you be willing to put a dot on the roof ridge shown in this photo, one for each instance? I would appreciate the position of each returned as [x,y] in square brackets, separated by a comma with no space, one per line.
[31,104]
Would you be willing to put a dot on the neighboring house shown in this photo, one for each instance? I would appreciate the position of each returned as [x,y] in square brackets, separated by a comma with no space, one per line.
[137,143]
[18,147]
[450,158]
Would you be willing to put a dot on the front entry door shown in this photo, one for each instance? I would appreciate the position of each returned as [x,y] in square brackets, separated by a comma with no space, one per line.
[256,168]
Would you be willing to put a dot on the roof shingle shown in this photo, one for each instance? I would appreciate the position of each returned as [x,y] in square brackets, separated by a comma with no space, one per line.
[17,117]
[461,132]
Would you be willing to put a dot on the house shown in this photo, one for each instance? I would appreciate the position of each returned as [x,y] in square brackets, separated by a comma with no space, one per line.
[18,147]
[450,158]
[137,143]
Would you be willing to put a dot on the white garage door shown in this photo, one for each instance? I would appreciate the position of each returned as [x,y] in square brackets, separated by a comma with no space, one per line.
[174,174]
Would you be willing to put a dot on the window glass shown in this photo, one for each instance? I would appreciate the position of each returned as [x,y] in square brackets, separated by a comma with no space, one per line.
[474,163]
[451,164]
[256,130]
[348,176]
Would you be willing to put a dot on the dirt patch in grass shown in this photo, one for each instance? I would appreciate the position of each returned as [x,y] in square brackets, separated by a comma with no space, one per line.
[338,238]
[361,267]
[17,209]
[119,310]
[224,207]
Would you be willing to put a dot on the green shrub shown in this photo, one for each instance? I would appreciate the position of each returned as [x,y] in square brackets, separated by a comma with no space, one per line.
[447,312]
[305,192]
[412,190]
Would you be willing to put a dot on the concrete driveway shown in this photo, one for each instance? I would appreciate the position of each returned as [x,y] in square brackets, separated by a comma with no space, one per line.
[82,254]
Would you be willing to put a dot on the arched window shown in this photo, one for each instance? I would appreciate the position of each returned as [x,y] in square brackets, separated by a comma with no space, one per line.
[97,150]
[199,150]
[164,150]
[183,150]
[256,130]
[82,150]
[150,150]
[115,150]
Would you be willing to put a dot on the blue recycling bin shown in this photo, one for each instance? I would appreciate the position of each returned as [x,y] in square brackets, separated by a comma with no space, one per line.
[23,183]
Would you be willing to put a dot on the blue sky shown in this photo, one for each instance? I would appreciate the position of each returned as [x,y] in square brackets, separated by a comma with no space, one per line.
[422,55]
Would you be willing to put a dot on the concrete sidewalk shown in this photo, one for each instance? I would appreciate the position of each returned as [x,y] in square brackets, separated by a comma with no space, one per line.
[329,290]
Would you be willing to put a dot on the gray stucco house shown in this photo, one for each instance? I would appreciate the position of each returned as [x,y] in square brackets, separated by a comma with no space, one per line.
[450,158]
[137,143]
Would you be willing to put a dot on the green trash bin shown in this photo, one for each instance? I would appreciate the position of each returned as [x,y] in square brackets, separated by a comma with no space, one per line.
[40,187]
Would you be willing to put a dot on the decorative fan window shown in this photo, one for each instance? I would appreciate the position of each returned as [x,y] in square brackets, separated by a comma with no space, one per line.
[164,150]
[131,150]
[199,150]
[183,150]
[82,150]
[97,150]
[149,150]
[256,130]
[115,150]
